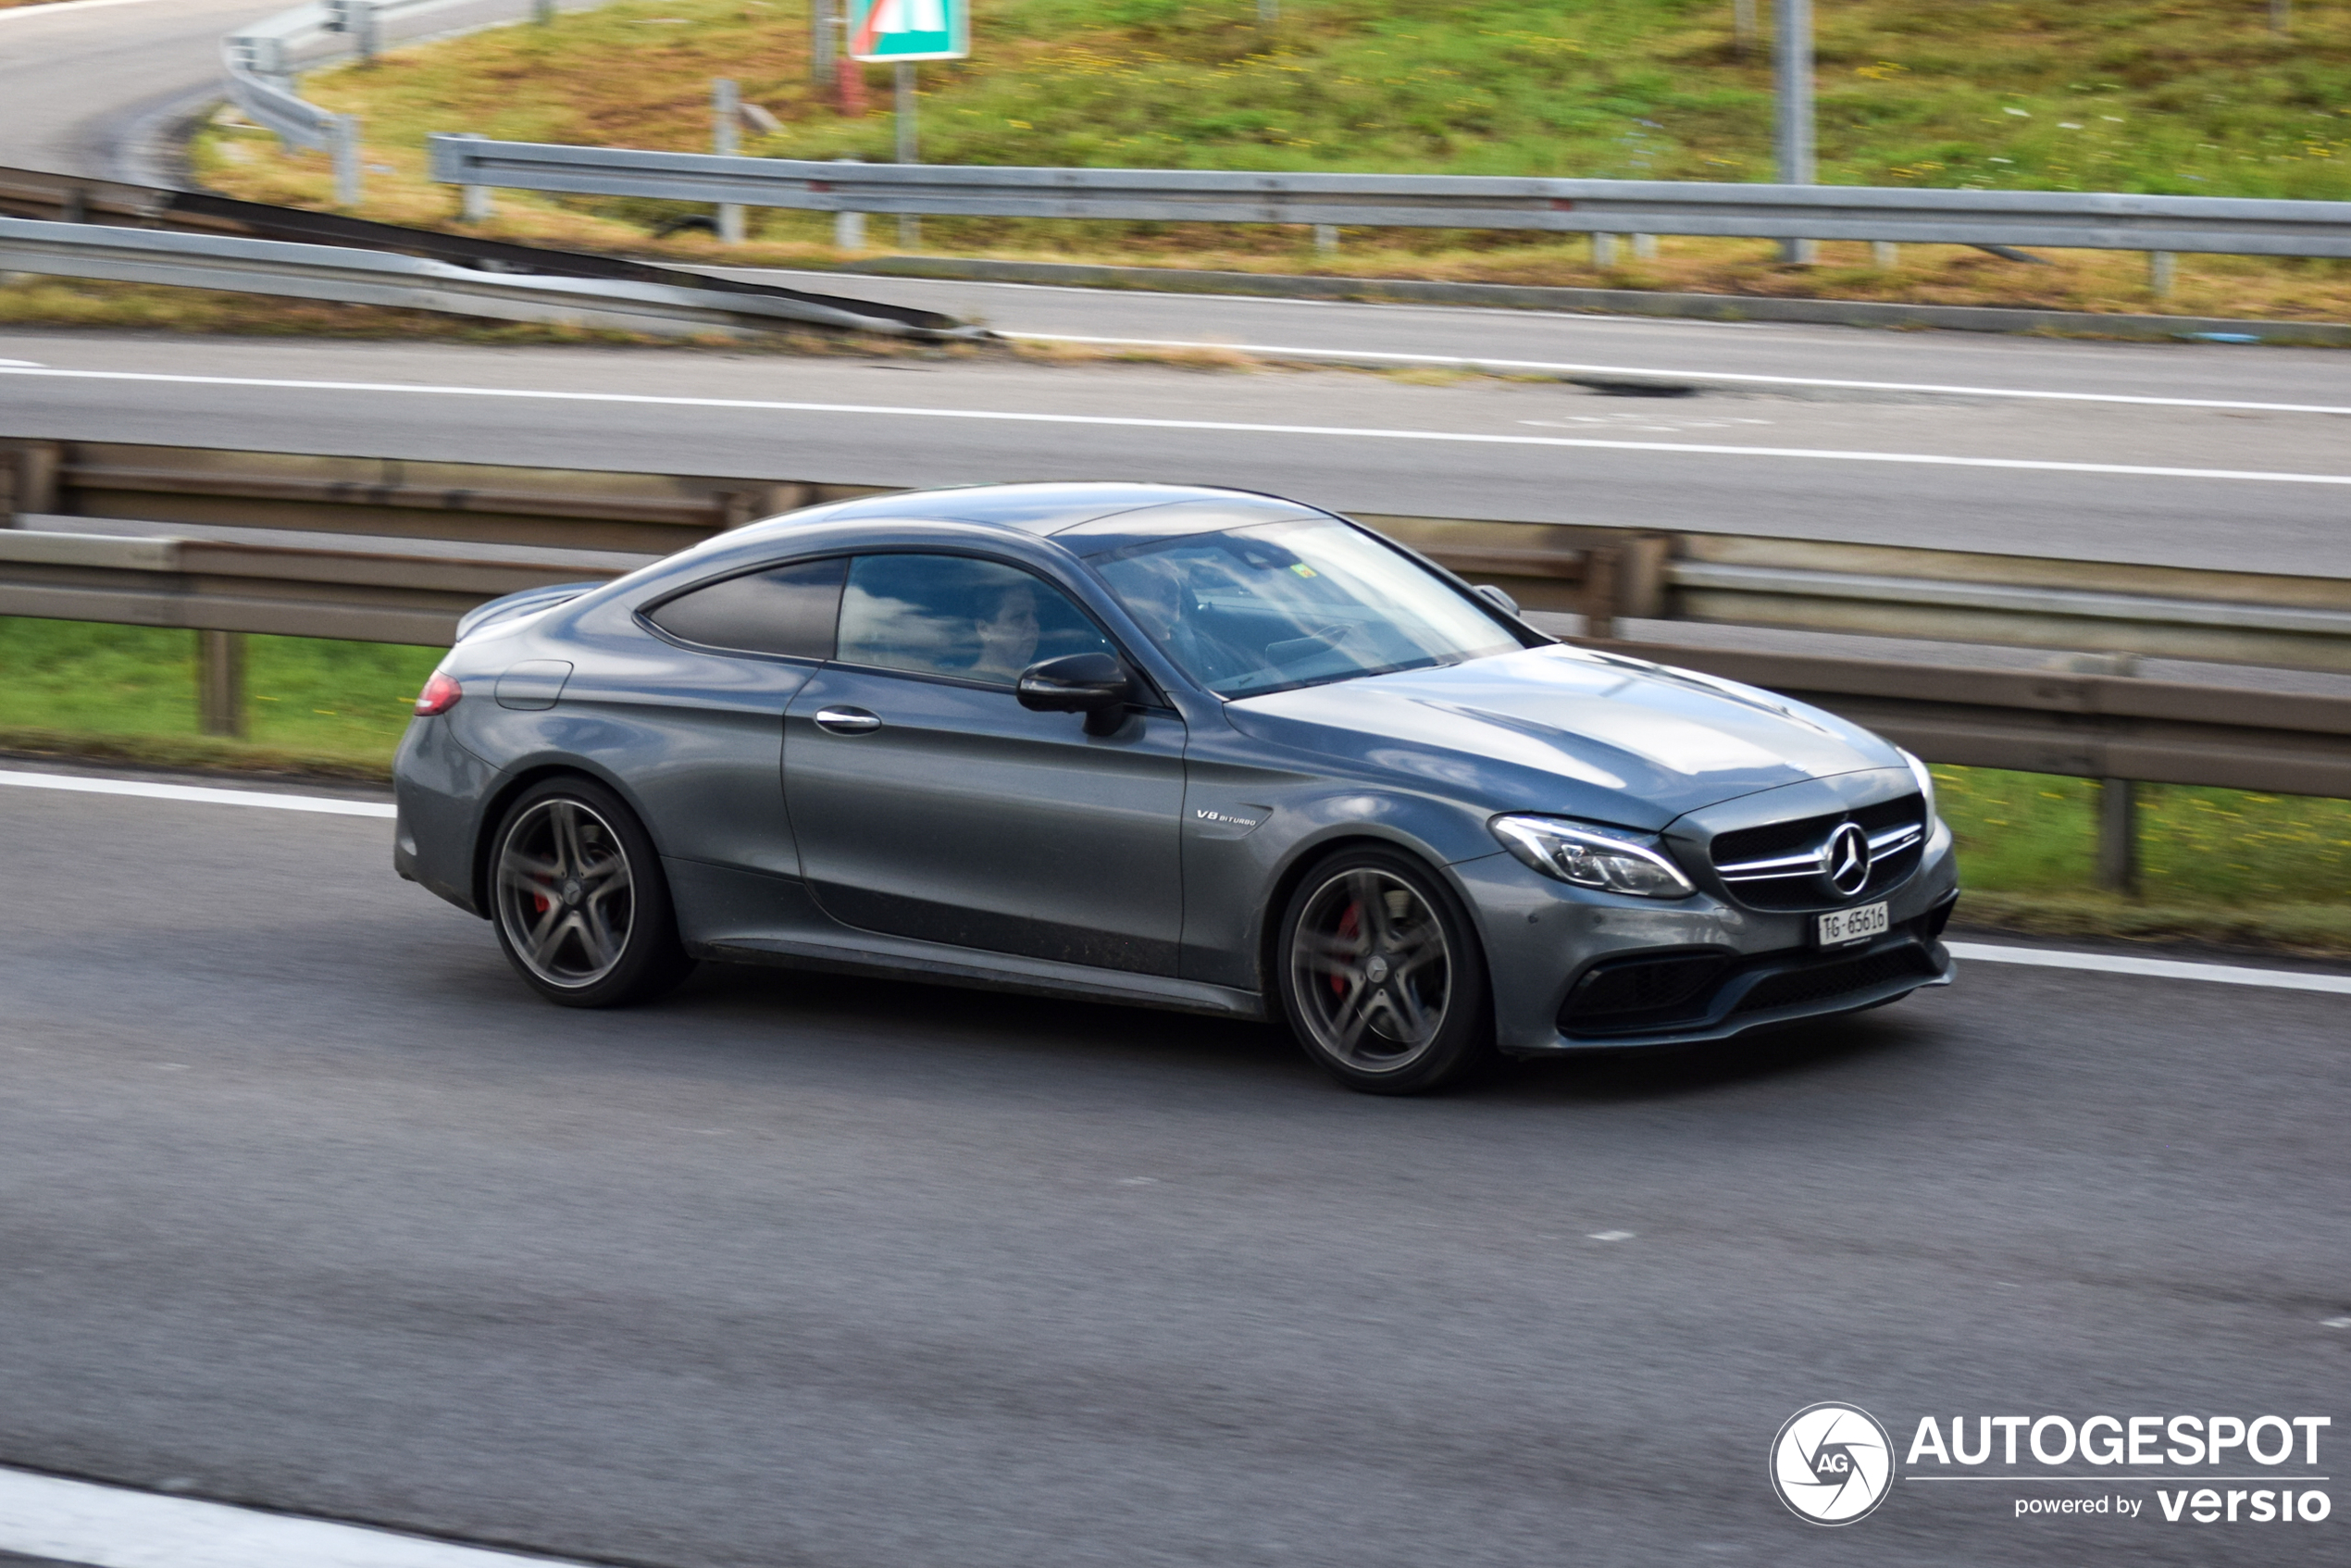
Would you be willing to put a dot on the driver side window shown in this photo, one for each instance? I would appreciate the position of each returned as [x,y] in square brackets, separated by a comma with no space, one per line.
[958,616]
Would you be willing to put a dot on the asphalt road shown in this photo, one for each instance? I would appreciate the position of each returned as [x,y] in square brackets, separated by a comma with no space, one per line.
[312,1206]
[91,91]
[1651,346]
[2185,486]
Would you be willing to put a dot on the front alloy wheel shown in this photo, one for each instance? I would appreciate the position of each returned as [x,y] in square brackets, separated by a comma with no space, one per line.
[1381,977]
[579,900]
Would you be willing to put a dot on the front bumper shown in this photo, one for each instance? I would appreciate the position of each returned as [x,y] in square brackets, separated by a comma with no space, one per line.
[1574,970]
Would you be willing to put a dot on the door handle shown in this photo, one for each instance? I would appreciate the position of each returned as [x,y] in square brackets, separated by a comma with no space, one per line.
[847,721]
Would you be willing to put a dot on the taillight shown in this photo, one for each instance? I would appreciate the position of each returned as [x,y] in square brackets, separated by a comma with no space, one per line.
[439,695]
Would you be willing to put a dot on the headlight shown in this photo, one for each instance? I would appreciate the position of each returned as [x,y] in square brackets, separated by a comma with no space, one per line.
[1591,856]
[1926,782]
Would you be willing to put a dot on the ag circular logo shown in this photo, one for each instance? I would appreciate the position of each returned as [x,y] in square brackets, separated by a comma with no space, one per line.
[1831,1464]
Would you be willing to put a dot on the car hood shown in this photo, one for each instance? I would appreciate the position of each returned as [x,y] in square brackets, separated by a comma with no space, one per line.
[1568,729]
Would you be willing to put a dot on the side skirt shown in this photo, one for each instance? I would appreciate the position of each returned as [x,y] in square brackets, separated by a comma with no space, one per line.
[900,959]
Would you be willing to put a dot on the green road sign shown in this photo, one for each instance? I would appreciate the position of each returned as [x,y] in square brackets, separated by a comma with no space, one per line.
[901,31]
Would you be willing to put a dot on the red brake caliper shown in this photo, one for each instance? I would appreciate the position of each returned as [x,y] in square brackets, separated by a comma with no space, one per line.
[1349,924]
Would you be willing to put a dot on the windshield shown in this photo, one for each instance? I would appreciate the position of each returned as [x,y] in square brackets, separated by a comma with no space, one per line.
[1295,604]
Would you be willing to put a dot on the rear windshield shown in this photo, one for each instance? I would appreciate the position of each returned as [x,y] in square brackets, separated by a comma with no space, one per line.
[1297,603]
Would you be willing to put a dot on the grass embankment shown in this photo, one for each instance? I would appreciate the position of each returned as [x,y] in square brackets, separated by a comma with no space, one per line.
[2220,865]
[83,688]
[2193,97]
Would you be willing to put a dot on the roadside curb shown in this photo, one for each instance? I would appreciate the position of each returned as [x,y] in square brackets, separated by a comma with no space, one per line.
[1611,301]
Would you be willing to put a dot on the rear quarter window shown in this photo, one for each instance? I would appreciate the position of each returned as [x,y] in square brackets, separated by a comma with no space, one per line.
[788,611]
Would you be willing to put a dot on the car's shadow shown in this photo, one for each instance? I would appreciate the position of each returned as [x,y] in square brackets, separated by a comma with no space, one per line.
[1794,1050]
[948,1023]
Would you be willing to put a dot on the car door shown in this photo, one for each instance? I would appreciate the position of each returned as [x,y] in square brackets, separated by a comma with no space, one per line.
[928,803]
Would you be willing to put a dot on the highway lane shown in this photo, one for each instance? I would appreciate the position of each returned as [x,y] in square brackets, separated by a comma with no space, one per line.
[311,1206]
[1658,347]
[83,89]
[1850,468]
[96,92]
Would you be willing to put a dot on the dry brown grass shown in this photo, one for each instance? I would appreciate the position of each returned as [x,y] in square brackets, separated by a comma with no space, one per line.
[76,302]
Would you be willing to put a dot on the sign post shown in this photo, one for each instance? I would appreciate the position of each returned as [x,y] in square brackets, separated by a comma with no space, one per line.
[899,33]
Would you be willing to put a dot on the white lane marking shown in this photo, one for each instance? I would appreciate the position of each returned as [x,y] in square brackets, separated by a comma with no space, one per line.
[2159,968]
[1480,362]
[1231,426]
[1610,1236]
[273,800]
[20,13]
[115,1527]
[24,364]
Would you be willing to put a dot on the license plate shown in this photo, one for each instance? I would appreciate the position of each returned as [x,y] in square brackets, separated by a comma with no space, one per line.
[1843,926]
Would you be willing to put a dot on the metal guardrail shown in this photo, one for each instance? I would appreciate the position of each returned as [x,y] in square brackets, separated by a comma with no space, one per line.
[1604,574]
[2057,218]
[112,203]
[2089,726]
[386,549]
[260,59]
[366,277]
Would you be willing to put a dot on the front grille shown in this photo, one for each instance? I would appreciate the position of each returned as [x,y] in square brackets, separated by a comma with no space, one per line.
[1777,866]
[1841,977]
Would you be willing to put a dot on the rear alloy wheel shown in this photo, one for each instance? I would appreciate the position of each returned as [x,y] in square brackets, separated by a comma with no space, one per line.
[577,894]
[1381,976]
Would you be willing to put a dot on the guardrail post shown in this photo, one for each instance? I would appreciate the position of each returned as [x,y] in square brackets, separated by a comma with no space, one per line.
[36,480]
[2280,16]
[220,683]
[1792,61]
[725,125]
[849,228]
[1603,251]
[821,28]
[543,11]
[909,228]
[1742,28]
[2118,800]
[366,37]
[1326,239]
[344,150]
[1645,247]
[1603,572]
[473,201]
[1884,254]
[2162,270]
[2118,836]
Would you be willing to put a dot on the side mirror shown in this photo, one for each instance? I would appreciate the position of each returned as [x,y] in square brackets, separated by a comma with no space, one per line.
[1497,598]
[1094,684]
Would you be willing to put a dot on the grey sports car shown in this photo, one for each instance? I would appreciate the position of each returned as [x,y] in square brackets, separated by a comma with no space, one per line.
[1182,747]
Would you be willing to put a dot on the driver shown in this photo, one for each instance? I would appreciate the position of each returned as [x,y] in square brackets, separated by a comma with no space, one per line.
[1008,635]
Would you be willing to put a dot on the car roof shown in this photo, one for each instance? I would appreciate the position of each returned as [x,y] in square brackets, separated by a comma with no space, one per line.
[1101,516]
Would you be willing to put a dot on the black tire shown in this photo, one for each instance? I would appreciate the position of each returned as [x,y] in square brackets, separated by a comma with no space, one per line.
[1381,976]
[579,900]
